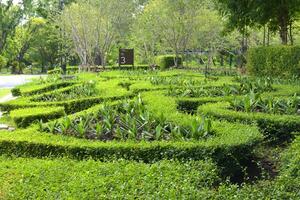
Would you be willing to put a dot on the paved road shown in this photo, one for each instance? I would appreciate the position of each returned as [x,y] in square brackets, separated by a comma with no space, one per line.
[15,80]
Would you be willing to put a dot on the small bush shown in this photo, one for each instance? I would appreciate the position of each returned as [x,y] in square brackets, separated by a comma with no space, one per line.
[70,70]
[16,92]
[167,61]
[277,61]
[39,89]
[25,117]
[3,62]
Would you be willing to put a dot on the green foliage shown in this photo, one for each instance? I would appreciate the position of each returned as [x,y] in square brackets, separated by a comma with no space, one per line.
[3,62]
[245,86]
[254,103]
[68,179]
[150,129]
[44,87]
[16,92]
[128,121]
[275,127]
[85,89]
[70,70]
[25,117]
[276,61]
[167,61]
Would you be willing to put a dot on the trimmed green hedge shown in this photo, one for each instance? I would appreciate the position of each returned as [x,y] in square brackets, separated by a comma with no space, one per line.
[70,70]
[71,106]
[25,117]
[167,61]
[23,178]
[273,126]
[277,61]
[235,140]
[16,92]
[45,88]
[31,143]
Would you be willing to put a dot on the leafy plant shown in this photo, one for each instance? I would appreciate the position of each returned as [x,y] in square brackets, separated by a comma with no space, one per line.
[254,103]
[130,120]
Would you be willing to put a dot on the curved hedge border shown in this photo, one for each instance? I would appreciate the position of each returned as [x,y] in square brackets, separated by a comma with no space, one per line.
[25,117]
[46,88]
[31,143]
[71,106]
[273,126]
[231,140]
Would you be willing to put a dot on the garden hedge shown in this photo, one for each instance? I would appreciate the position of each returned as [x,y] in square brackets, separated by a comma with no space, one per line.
[32,143]
[24,178]
[16,92]
[71,106]
[167,61]
[274,127]
[25,117]
[45,88]
[277,61]
[70,70]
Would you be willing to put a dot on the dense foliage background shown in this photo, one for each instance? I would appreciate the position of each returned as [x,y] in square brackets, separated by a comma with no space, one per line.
[39,35]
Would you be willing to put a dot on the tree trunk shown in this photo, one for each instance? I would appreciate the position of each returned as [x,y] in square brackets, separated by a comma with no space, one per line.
[283,19]
[103,60]
[222,60]
[176,59]
[268,37]
[291,33]
[264,41]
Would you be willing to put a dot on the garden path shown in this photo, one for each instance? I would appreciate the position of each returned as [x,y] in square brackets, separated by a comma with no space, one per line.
[11,82]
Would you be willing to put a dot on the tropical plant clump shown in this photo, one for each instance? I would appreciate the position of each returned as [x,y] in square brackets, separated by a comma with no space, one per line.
[86,89]
[245,86]
[129,120]
[254,103]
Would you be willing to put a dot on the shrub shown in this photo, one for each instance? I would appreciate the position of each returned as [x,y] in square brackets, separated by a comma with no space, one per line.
[3,62]
[274,127]
[70,70]
[24,117]
[277,61]
[16,92]
[68,179]
[83,90]
[167,61]
[129,120]
[39,89]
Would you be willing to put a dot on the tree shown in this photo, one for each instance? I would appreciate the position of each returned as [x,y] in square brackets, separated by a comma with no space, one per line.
[278,15]
[145,38]
[174,23]
[10,17]
[95,26]
[19,44]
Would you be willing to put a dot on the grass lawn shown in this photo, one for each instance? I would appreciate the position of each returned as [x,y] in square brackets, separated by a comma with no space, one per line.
[4,92]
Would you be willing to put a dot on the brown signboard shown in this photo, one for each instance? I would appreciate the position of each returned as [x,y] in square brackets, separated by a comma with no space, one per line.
[126,57]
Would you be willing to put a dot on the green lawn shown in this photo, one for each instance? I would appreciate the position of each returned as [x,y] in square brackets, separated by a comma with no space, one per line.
[4,92]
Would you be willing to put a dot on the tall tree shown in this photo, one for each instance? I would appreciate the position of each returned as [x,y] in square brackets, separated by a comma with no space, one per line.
[173,22]
[279,15]
[95,26]
[21,41]
[10,17]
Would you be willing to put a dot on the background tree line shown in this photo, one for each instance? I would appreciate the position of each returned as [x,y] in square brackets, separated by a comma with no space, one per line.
[42,34]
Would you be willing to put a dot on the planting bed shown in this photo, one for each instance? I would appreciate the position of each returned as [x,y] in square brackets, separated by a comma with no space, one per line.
[151,134]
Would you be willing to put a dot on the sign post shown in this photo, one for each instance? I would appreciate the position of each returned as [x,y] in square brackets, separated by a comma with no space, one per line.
[126,57]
